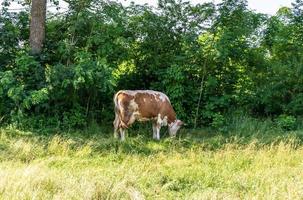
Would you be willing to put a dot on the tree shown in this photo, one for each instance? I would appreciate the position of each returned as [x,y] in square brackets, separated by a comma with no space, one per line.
[37,26]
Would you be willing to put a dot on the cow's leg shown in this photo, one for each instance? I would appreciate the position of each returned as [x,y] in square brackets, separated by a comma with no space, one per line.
[116,125]
[158,125]
[122,134]
[158,132]
[122,124]
[154,130]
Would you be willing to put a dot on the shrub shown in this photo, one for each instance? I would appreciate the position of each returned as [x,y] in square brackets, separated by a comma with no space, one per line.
[218,121]
[286,122]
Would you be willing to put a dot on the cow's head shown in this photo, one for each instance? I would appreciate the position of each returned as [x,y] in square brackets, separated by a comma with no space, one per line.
[174,127]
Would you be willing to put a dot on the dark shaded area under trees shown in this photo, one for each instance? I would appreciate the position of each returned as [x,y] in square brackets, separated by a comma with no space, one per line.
[211,60]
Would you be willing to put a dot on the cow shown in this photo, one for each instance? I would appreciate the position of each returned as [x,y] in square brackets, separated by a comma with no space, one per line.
[144,105]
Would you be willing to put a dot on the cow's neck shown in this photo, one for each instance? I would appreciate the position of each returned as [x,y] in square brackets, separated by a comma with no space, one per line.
[171,119]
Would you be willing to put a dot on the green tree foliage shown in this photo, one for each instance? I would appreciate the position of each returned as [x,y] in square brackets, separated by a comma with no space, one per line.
[280,90]
[209,59]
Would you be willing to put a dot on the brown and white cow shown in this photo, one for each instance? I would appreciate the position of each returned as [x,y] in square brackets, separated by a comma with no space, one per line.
[144,105]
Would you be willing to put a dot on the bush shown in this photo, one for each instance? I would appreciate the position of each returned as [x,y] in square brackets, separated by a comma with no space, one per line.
[286,122]
[218,122]
[209,55]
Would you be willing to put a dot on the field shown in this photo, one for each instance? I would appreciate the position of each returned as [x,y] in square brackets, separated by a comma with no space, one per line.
[252,161]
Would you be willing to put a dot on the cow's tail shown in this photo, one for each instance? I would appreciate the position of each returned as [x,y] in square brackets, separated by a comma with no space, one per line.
[118,109]
[116,103]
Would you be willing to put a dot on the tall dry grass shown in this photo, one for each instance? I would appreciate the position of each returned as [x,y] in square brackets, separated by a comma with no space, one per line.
[198,165]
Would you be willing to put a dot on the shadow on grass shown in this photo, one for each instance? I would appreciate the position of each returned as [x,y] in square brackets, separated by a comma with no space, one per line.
[240,131]
[139,139]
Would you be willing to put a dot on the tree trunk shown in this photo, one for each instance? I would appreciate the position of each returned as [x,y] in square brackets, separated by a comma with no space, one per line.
[37,26]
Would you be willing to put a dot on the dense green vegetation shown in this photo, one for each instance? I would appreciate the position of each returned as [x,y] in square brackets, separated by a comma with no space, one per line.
[211,60]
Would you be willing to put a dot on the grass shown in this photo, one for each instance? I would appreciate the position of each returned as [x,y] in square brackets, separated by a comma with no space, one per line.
[253,161]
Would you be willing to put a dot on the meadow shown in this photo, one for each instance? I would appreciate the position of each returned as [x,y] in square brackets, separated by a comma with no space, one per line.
[233,74]
[253,160]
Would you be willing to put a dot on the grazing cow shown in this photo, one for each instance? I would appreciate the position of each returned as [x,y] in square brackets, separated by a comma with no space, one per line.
[144,105]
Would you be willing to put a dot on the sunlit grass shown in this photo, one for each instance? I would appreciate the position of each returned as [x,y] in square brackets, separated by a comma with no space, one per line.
[197,165]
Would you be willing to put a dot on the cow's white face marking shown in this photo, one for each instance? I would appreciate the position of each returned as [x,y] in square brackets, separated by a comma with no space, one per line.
[144,99]
[174,127]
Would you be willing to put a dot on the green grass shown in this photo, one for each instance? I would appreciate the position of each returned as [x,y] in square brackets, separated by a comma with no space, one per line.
[253,161]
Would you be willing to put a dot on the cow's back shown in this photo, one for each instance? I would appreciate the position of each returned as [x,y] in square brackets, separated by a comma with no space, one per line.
[147,104]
